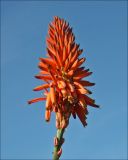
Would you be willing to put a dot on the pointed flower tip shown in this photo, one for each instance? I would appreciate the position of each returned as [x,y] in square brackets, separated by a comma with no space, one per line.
[85,124]
[89,92]
[40,58]
[36,76]
[29,102]
[97,106]
[47,120]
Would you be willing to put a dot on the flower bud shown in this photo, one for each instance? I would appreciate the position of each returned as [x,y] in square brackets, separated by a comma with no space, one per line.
[59,152]
[56,141]
[62,140]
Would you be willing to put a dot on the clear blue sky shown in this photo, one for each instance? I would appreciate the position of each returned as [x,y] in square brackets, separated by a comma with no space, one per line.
[100,28]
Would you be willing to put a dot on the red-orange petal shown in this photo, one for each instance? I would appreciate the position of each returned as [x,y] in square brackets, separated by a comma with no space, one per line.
[36,100]
[53,95]
[48,102]
[44,86]
[83,91]
[43,77]
[81,114]
[47,115]
[89,101]
[85,83]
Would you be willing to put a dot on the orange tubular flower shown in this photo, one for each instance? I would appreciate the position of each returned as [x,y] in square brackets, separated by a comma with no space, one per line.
[65,91]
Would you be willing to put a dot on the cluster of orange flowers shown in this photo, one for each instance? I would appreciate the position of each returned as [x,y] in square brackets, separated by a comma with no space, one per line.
[65,90]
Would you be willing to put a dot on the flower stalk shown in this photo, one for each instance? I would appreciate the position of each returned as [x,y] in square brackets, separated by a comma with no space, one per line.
[58,141]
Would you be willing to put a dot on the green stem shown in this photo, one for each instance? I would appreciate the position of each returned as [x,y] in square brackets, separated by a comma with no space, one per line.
[59,136]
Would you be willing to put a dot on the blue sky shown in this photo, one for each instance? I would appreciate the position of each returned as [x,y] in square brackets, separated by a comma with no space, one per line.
[100,28]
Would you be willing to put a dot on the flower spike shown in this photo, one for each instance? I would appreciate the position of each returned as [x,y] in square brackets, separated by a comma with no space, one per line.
[64,89]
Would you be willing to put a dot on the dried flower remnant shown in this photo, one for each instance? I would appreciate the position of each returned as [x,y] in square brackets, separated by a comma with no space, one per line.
[65,90]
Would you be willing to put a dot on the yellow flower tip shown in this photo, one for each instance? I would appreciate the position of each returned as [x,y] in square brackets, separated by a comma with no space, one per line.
[64,92]
[61,84]
[70,99]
